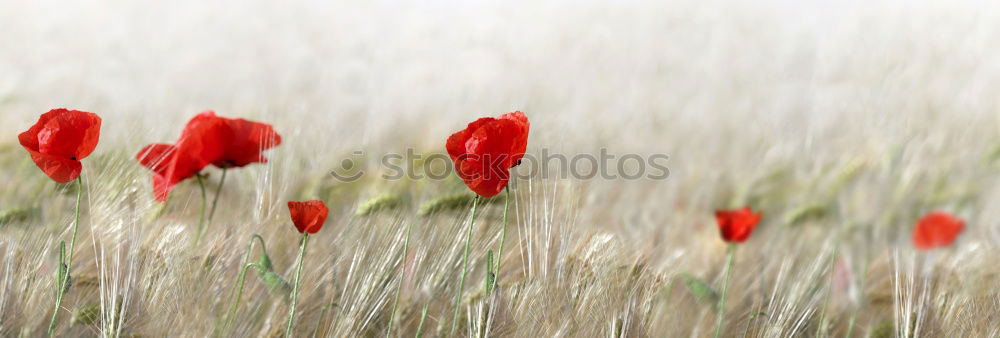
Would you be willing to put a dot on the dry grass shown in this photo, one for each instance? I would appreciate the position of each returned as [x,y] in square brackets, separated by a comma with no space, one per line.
[842,123]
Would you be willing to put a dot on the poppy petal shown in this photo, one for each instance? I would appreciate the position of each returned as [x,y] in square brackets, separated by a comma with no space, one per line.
[520,129]
[937,229]
[156,156]
[247,139]
[68,133]
[162,187]
[59,169]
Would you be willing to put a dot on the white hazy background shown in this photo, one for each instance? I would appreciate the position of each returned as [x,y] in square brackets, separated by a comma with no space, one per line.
[728,71]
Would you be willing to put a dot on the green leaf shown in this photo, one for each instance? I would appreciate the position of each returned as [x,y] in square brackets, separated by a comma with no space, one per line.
[275,284]
[701,291]
[489,283]
[63,278]
[264,263]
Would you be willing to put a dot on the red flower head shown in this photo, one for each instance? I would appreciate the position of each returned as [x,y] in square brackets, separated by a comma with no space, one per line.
[736,225]
[244,141]
[485,151]
[206,139]
[59,140]
[308,216]
[199,145]
[936,229]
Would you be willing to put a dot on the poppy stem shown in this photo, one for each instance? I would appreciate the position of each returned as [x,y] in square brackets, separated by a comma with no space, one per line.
[322,316]
[239,294]
[63,276]
[402,277]
[465,266]
[242,279]
[298,281]
[503,236]
[730,257]
[204,207]
[76,219]
[423,318]
[215,200]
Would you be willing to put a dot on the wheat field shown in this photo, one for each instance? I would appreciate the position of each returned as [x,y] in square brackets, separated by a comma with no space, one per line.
[843,122]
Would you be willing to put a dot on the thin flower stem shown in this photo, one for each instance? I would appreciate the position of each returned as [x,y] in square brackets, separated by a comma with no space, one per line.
[850,323]
[76,220]
[423,318]
[239,294]
[402,277]
[503,236]
[730,257]
[63,280]
[298,281]
[465,266]
[215,200]
[204,207]
[242,278]
[322,316]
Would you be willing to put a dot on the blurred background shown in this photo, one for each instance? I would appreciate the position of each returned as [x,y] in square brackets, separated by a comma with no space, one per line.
[730,90]
[725,88]
[839,114]
[659,72]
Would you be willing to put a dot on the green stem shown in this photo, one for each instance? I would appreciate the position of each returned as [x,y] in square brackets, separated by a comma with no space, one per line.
[298,281]
[730,257]
[423,318]
[465,266]
[239,294]
[76,220]
[850,323]
[204,207]
[215,200]
[242,279]
[322,316]
[503,236]
[402,277]
[63,281]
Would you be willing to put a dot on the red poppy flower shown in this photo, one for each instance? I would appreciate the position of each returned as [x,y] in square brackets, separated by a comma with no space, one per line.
[244,141]
[485,151]
[736,225]
[936,229]
[59,140]
[308,216]
[200,144]
[206,139]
